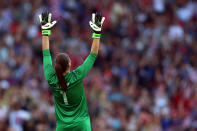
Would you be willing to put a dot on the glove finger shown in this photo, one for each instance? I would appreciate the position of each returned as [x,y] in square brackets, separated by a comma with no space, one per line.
[93,17]
[54,22]
[102,20]
[98,16]
[40,18]
[49,17]
[90,23]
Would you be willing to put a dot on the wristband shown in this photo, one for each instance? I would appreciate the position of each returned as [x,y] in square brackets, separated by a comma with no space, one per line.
[46,32]
[95,35]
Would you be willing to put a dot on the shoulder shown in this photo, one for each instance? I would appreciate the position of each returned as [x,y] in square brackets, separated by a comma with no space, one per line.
[73,77]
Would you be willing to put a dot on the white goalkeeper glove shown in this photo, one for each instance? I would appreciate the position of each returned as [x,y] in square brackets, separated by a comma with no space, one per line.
[96,24]
[46,24]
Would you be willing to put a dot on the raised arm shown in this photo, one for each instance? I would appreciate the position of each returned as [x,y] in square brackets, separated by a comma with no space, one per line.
[96,25]
[46,25]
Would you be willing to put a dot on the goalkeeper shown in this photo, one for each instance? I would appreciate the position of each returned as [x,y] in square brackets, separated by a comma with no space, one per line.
[67,87]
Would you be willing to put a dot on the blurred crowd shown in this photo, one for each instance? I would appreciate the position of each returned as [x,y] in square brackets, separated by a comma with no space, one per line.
[144,79]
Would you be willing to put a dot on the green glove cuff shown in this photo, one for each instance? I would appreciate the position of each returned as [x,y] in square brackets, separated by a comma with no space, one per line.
[46,32]
[95,35]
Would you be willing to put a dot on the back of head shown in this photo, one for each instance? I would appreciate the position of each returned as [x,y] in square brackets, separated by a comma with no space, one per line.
[62,61]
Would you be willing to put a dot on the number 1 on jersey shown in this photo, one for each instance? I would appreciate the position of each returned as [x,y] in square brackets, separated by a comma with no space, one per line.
[64,97]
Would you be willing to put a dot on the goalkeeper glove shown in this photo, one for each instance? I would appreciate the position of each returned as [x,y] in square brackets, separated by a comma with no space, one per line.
[96,24]
[46,24]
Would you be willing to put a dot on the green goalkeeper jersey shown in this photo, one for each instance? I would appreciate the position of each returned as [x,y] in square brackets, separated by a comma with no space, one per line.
[70,107]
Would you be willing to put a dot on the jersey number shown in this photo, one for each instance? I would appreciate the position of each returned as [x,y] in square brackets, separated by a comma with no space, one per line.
[64,97]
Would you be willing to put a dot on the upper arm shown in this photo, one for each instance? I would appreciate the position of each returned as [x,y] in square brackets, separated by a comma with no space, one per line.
[83,69]
[49,71]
